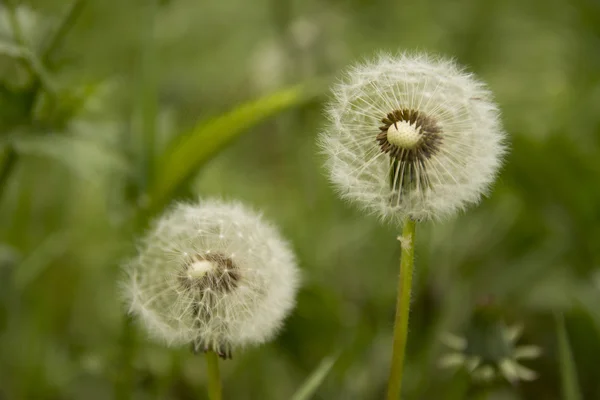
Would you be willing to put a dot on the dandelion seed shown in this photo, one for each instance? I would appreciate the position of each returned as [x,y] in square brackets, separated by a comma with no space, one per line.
[197,279]
[412,136]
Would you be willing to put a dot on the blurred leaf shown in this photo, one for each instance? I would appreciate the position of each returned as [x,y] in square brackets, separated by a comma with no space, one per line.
[86,158]
[40,258]
[22,22]
[182,160]
[588,301]
[568,370]
[310,386]
[9,257]
[11,49]
[69,104]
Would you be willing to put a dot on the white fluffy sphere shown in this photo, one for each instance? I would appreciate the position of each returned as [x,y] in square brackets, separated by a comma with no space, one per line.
[212,274]
[412,136]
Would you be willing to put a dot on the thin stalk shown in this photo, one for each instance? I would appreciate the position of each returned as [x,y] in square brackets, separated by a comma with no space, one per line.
[568,369]
[145,111]
[402,310]
[124,378]
[66,24]
[147,99]
[7,164]
[214,376]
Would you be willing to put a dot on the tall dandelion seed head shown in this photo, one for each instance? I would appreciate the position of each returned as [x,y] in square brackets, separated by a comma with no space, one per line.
[412,136]
[214,275]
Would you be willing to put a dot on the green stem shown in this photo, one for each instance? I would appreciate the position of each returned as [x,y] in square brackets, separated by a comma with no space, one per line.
[214,377]
[402,310]
[8,160]
[568,369]
[124,378]
[147,99]
[66,24]
[146,110]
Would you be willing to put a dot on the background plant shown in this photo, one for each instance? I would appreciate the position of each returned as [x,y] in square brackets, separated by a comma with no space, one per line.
[70,200]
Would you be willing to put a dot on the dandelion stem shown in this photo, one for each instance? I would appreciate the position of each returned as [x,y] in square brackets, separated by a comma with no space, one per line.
[402,310]
[214,377]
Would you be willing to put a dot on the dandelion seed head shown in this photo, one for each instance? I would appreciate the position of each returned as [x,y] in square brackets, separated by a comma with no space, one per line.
[412,136]
[213,275]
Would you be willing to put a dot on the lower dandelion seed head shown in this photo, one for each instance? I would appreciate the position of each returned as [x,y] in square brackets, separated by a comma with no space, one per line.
[412,136]
[213,275]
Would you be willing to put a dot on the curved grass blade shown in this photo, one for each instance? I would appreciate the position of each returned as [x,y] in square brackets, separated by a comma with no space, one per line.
[179,163]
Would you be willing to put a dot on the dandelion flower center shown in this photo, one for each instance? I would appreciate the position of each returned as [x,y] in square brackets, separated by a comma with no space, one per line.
[209,272]
[410,138]
[198,269]
[404,135]
[409,135]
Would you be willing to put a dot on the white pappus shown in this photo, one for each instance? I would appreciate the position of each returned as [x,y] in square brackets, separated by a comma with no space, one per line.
[412,136]
[212,274]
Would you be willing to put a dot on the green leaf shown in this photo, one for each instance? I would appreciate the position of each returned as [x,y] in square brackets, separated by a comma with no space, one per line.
[11,50]
[568,370]
[23,23]
[87,158]
[588,298]
[312,383]
[179,163]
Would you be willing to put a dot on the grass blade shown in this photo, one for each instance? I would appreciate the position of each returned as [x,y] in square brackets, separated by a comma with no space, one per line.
[67,22]
[146,107]
[52,247]
[312,383]
[568,371]
[179,163]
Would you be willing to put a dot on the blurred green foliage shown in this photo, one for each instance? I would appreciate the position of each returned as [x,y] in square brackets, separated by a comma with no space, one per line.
[94,95]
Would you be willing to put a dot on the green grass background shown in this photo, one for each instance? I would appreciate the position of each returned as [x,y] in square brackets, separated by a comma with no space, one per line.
[139,104]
